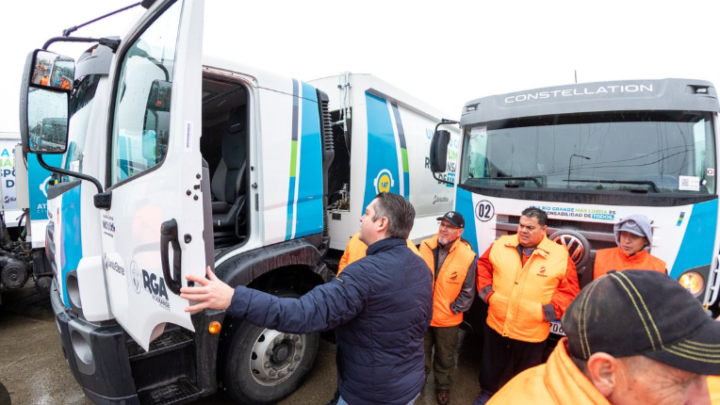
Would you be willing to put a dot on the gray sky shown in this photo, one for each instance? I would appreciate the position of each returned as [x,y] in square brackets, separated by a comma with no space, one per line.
[445,53]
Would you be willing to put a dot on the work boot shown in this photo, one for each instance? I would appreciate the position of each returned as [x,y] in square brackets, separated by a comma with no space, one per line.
[443,397]
[483,398]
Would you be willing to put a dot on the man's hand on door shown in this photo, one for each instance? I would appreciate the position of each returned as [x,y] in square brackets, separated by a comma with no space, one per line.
[208,292]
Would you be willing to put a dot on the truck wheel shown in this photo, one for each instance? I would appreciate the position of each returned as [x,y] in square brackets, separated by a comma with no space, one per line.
[264,365]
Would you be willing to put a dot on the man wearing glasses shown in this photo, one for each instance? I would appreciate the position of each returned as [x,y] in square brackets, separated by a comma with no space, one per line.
[527,281]
[633,236]
[452,262]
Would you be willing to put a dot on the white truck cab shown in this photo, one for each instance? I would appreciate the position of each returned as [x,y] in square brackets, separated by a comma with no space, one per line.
[190,160]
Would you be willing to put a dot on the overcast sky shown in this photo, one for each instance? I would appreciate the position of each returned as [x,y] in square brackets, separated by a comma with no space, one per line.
[445,53]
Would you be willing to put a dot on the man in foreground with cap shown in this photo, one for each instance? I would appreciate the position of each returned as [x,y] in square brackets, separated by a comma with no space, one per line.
[633,236]
[452,262]
[635,337]
[527,281]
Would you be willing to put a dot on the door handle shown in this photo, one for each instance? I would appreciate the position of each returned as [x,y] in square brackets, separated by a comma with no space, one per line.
[169,236]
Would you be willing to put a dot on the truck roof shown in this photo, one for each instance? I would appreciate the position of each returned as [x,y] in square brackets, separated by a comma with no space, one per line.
[627,95]
[366,82]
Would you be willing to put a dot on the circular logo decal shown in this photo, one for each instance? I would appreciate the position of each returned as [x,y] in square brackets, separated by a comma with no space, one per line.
[383,182]
[484,211]
[574,246]
[135,277]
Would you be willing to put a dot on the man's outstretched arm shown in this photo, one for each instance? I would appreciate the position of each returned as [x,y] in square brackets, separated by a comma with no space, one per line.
[323,308]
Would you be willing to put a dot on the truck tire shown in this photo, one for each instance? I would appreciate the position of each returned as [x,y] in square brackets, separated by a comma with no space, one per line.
[263,365]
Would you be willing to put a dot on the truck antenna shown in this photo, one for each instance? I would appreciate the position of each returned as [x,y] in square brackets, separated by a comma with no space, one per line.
[575,76]
[67,32]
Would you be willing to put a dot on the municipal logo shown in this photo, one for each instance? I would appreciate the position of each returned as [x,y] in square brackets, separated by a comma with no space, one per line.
[135,277]
[383,182]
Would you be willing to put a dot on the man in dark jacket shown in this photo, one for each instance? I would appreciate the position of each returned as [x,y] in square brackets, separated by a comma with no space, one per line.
[381,306]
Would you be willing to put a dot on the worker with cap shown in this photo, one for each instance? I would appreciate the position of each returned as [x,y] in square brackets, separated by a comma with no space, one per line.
[633,236]
[635,337]
[452,262]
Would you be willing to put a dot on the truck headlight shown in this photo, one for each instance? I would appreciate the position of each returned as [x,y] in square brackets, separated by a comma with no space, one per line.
[693,282]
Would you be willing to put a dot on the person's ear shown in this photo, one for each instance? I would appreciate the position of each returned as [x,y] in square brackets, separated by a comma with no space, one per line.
[383,224]
[602,371]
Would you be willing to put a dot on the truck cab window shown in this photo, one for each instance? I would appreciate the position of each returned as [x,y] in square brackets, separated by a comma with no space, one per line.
[142,102]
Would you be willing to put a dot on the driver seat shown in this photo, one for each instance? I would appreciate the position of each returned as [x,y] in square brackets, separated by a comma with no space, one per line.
[227,184]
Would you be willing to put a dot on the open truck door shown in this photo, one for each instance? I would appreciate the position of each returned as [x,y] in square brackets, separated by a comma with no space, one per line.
[152,234]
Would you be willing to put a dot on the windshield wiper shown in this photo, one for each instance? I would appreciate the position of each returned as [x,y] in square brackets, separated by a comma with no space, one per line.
[641,182]
[533,179]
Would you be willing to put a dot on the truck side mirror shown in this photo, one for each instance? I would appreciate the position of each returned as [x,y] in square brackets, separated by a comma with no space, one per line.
[44,102]
[438,151]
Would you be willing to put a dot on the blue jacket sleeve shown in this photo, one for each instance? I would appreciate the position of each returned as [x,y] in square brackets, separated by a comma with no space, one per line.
[323,308]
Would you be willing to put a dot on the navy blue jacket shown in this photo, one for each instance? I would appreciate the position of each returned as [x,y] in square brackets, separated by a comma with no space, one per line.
[381,306]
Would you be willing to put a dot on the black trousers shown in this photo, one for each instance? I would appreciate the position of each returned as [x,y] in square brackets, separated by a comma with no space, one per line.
[500,352]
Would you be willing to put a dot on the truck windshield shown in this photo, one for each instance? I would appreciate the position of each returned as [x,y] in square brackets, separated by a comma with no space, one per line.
[666,152]
[80,108]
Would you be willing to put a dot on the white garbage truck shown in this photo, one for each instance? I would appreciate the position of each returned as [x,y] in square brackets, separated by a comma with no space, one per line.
[181,159]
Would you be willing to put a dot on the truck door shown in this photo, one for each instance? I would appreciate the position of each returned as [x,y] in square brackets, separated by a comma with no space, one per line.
[152,234]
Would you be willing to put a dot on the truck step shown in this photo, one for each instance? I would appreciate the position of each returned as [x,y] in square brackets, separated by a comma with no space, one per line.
[168,341]
[180,391]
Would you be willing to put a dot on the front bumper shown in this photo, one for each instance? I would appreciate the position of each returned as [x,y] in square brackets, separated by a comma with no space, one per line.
[96,355]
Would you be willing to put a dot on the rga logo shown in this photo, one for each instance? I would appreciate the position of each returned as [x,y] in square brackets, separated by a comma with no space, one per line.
[156,287]
[135,277]
[110,264]
[108,225]
[383,182]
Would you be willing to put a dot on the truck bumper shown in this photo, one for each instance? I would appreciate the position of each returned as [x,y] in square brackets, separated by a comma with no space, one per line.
[96,355]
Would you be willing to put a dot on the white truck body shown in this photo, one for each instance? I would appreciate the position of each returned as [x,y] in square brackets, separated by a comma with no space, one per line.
[205,161]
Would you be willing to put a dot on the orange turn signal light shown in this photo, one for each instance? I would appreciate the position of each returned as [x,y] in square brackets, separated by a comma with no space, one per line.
[214,328]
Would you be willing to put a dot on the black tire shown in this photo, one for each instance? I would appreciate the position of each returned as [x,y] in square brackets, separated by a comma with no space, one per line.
[254,353]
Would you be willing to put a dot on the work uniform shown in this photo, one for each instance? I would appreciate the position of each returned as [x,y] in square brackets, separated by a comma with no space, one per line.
[524,292]
[453,269]
[356,249]
[559,381]
[616,259]
[713,383]
[379,307]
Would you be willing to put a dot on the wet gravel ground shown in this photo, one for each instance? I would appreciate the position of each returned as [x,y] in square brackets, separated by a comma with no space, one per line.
[33,370]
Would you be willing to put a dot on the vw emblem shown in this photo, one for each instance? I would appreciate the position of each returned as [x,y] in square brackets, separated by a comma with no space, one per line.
[575,247]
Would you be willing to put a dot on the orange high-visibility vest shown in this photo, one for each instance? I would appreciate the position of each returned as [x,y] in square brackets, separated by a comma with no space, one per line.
[450,279]
[356,249]
[515,308]
[616,259]
[556,382]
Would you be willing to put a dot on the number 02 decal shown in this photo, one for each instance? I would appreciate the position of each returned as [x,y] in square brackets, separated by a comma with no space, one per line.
[484,211]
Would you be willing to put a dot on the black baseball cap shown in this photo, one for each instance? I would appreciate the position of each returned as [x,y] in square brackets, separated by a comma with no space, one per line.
[454,218]
[643,312]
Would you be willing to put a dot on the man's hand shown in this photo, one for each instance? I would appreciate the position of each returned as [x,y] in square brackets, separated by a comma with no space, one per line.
[212,293]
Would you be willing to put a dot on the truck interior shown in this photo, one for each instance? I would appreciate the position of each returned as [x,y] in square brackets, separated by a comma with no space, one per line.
[224,147]
[339,172]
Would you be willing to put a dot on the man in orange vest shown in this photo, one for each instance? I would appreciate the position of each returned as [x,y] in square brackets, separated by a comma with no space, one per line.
[633,337]
[452,262]
[633,236]
[528,281]
[356,250]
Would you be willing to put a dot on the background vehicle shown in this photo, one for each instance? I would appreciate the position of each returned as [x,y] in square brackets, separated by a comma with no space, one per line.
[591,154]
[23,217]
[145,200]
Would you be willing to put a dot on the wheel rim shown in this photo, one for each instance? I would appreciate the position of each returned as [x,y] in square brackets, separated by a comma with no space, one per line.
[276,356]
